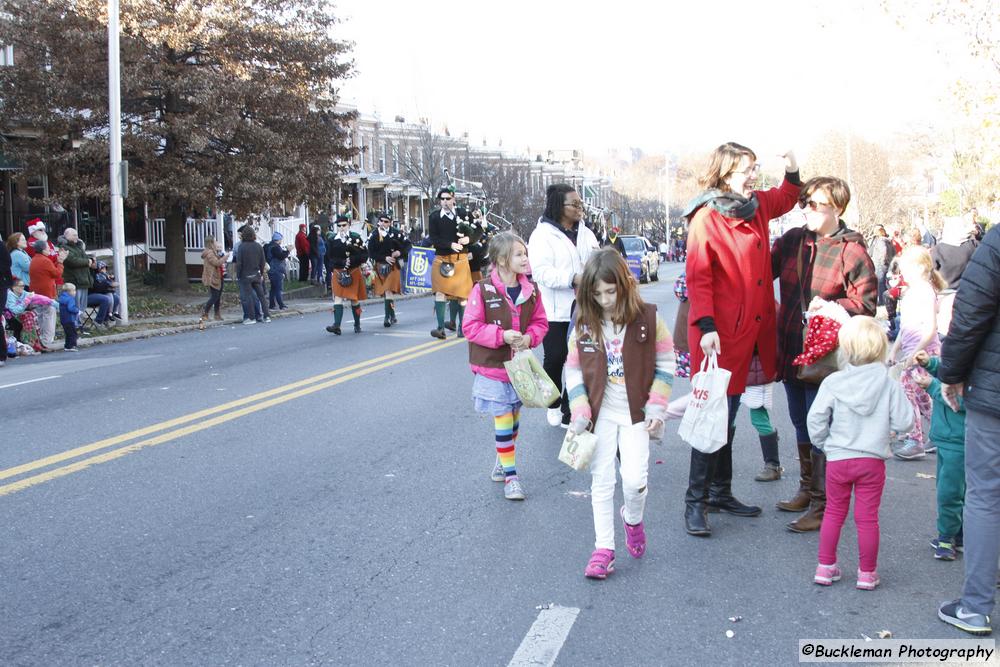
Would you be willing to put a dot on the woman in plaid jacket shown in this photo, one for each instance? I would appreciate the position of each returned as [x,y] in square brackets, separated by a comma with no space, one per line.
[822,261]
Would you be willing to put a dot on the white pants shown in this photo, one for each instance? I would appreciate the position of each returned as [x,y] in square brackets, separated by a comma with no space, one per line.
[47,324]
[615,433]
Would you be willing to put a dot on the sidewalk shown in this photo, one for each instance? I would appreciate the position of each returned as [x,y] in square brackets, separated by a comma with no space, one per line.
[148,327]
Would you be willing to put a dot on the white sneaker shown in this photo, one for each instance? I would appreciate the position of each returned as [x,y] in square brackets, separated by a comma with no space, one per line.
[249,322]
[554,416]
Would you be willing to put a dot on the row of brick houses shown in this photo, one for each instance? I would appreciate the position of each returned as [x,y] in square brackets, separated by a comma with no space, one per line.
[398,167]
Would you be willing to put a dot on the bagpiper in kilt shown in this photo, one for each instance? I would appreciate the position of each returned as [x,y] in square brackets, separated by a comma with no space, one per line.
[347,252]
[387,247]
[451,277]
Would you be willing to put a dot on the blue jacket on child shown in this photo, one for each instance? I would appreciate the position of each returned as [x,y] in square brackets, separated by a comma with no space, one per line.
[947,426]
[68,310]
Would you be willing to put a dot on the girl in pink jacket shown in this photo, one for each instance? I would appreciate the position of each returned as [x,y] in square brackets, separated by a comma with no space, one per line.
[504,315]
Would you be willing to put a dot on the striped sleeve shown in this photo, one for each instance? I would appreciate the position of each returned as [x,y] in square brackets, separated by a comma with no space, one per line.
[663,376]
[579,402]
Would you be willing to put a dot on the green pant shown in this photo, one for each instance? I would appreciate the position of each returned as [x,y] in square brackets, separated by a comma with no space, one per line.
[761,421]
[950,491]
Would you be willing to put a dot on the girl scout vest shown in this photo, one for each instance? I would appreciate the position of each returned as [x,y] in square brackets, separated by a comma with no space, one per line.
[496,311]
[638,357]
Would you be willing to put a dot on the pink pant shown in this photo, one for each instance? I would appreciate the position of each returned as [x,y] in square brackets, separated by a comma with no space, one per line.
[867,478]
[920,401]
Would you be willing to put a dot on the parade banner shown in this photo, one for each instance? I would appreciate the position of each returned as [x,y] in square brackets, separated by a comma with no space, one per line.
[418,270]
[635,266]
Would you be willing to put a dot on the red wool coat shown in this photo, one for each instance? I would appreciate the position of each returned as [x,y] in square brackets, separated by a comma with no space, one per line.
[729,279]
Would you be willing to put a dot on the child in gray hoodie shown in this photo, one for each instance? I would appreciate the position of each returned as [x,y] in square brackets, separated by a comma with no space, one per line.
[850,421]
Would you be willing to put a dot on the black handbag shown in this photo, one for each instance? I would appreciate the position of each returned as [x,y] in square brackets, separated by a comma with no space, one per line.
[344,278]
[447,269]
[383,269]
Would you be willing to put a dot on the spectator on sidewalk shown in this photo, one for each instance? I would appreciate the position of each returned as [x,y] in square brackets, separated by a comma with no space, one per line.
[6,282]
[45,275]
[317,255]
[77,266]
[969,366]
[302,251]
[213,261]
[31,317]
[69,315]
[276,258]
[250,269]
[36,230]
[104,295]
[19,259]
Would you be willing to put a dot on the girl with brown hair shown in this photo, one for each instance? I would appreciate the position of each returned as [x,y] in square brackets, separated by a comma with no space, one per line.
[619,371]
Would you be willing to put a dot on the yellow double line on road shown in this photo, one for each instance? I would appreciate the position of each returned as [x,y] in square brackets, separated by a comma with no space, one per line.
[204,419]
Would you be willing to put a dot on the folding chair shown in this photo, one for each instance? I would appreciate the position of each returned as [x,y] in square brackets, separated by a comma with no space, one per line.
[89,323]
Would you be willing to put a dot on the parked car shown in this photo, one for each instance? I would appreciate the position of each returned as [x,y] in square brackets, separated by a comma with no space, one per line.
[642,258]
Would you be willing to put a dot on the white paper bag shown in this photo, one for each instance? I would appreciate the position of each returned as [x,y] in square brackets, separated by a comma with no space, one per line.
[705,425]
[577,449]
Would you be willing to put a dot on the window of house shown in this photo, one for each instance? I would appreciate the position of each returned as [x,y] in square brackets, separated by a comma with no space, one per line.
[361,152]
[6,56]
[395,159]
[381,157]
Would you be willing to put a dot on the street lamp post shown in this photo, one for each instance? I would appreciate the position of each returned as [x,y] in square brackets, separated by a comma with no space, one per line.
[115,134]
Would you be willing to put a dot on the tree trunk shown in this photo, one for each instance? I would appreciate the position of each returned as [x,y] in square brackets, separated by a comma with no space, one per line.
[173,239]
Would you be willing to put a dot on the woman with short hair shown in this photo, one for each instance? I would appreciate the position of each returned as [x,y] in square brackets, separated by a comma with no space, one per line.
[732,315]
[821,261]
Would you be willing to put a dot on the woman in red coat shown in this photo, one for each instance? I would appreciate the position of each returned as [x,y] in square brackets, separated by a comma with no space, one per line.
[731,292]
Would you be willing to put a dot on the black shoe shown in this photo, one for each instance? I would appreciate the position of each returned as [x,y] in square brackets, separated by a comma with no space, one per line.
[387,323]
[357,328]
[953,614]
[393,320]
[450,326]
[696,521]
[439,333]
[732,506]
[333,329]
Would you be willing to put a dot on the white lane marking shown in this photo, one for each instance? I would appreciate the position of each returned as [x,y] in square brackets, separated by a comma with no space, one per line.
[545,638]
[15,384]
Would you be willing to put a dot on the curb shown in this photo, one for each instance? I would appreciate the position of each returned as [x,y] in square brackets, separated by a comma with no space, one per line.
[298,309]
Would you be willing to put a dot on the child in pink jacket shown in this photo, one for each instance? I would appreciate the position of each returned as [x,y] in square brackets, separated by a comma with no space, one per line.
[504,315]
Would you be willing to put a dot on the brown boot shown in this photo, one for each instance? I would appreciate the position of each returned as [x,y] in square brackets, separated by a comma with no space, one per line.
[800,501]
[811,520]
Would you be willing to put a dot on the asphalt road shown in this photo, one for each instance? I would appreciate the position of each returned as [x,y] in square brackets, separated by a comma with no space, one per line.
[269,495]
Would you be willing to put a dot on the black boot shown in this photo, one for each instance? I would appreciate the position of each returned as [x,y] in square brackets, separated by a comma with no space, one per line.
[720,496]
[695,516]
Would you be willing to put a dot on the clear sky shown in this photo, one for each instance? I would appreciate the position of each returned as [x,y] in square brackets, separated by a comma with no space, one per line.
[673,75]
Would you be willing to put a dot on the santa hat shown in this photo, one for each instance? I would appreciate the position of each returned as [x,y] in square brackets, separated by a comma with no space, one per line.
[35,225]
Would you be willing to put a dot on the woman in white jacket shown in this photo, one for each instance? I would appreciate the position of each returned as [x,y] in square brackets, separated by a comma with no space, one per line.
[557,250]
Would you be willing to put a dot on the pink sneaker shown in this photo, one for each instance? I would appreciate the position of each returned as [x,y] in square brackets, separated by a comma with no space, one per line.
[635,537]
[602,563]
[826,574]
[867,581]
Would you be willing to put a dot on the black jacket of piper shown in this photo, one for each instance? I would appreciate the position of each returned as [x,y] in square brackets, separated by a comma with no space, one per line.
[443,230]
[970,353]
[379,249]
[338,251]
